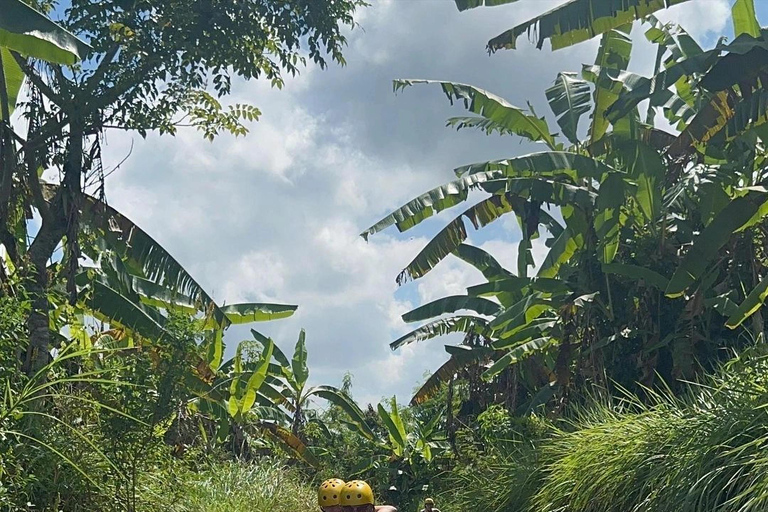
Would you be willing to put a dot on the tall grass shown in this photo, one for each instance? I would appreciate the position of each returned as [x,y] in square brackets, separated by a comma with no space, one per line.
[264,486]
[704,451]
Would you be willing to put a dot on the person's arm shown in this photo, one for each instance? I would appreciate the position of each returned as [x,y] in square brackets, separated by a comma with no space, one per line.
[385,508]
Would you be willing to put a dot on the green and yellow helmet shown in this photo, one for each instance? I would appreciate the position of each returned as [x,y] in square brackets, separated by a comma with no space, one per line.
[329,493]
[356,493]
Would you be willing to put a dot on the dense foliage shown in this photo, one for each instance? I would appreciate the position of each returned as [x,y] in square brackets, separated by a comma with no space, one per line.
[625,371]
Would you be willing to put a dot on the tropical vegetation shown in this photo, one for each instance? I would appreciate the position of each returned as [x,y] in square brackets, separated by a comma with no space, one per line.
[623,370]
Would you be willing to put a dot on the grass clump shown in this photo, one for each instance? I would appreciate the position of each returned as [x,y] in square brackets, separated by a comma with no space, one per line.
[265,485]
[704,451]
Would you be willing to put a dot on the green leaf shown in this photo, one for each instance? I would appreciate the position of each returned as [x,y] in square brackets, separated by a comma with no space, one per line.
[613,54]
[712,238]
[537,328]
[544,164]
[647,168]
[564,247]
[491,107]
[341,400]
[432,202]
[257,312]
[516,286]
[233,406]
[398,435]
[609,218]
[745,18]
[482,261]
[569,98]
[256,379]
[119,310]
[397,440]
[141,253]
[516,355]
[14,78]
[444,374]
[450,237]
[299,362]
[522,312]
[636,272]
[674,38]
[463,5]
[441,327]
[32,34]
[751,304]
[216,349]
[579,20]
[550,163]
[287,439]
[451,304]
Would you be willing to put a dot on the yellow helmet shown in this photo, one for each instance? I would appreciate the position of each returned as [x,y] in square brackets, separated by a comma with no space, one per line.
[429,501]
[356,493]
[329,493]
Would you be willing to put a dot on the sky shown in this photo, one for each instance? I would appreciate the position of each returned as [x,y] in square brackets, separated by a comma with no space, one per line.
[275,216]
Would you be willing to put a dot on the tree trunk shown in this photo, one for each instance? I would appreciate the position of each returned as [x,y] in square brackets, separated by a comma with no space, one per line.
[52,230]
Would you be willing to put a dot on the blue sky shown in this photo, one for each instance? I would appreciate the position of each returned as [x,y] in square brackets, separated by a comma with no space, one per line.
[275,216]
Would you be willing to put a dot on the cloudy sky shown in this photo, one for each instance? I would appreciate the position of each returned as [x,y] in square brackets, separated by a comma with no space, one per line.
[275,216]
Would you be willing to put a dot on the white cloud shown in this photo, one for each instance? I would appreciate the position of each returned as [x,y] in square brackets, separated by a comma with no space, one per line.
[276,215]
[700,17]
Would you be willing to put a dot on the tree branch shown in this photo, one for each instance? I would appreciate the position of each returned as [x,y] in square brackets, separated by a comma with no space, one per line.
[38,81]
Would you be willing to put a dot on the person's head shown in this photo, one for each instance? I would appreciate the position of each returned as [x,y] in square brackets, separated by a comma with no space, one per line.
[329,495]
[357,496]
[429,503]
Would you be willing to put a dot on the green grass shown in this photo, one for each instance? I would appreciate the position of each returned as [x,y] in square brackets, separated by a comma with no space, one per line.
[263,486]
[706,451]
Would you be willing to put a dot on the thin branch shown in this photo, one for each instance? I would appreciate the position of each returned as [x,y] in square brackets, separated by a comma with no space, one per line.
[101,70]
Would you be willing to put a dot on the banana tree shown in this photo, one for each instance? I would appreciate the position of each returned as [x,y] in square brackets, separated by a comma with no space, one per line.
[645,213]
[286,386]
[572,22]
[409,451]
[27,33]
